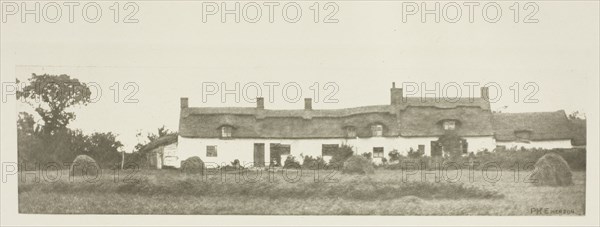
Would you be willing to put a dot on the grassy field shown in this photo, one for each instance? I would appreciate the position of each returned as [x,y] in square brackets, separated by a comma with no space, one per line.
[386,192]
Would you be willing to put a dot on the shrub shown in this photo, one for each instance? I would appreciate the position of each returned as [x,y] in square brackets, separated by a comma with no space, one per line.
[313,163]
[394,155]
[84,165]
[341,154]
[552,170]
[192,165]
[235,165]
[507,159]
[412,153]
[358,164]
[290,162]
[367,155]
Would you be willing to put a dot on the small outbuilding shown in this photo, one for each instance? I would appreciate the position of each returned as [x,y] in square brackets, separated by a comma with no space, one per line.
[162,152]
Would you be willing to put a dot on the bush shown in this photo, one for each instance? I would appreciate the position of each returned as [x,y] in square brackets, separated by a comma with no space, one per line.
[358,164]
[290,162]
[507,159]
[192,165]
[367,155]
[84,165]
[552,170]
[412,153]
[341,154]
[394,155]
[313,163]
[235,165]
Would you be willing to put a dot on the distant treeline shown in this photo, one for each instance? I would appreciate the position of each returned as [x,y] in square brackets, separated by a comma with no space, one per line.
[50,140]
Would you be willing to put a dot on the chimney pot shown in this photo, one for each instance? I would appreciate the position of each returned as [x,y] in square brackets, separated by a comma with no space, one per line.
[260,103]
[308,103]
[396,95]
[184,102]
[485,93]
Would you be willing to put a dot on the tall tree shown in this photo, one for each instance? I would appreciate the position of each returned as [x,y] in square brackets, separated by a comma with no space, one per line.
[51,96]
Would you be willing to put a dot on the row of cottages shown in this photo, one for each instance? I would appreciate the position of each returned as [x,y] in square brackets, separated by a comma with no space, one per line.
[261,136]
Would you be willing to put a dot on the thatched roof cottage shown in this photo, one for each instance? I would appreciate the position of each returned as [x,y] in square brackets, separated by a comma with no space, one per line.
[259,136]
[534,130]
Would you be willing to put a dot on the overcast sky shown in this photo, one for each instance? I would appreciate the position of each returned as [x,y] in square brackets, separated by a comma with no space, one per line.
[170,52]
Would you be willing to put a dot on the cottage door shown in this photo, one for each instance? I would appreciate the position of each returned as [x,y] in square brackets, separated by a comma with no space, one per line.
[259,155]
[436,149]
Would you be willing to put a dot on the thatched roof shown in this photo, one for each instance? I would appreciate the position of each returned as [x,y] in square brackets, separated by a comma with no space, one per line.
[426,121]
[579,131]
[542,125]
[162,141]
[412,117]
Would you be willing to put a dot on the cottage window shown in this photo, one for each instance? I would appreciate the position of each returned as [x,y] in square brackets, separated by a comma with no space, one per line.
[350,132]
[449,125]
[226,131]
[281,149]
[378,152]
[329,149]
[211,151]
[377,130]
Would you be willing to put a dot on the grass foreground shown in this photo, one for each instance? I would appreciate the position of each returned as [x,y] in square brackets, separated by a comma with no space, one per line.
[387,192]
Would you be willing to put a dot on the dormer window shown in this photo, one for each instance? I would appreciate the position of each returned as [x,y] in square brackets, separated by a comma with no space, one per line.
[350,132]
[449,125]
[226,131]
[377,130]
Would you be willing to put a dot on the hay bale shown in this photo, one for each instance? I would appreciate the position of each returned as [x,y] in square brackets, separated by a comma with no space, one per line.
[84,165]
[552,170]
[192,165]
[358,164]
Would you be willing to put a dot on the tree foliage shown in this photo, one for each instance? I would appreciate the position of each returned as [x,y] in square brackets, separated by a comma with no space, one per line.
[51,96]
[63,146]
[160,132]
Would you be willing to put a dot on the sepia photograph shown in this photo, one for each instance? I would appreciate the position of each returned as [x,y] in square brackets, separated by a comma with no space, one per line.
[279,113]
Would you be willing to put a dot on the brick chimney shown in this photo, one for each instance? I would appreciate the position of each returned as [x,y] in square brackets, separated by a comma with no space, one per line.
[184,102]
[485,93]
[396,94]
[260,103]
[308,104]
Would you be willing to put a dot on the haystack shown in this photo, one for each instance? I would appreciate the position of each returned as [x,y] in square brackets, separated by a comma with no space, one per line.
[84,165]
[192,165]
[358,164]
[552,170]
